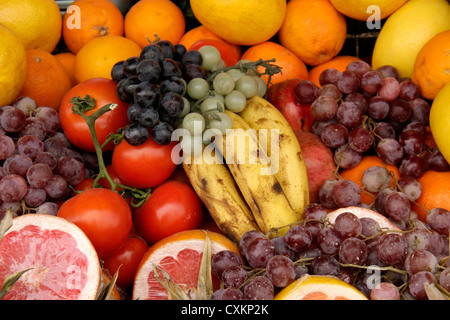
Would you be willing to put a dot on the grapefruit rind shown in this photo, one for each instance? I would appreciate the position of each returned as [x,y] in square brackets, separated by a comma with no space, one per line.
[49,222]
[323,286]
[361,212]
[170,247]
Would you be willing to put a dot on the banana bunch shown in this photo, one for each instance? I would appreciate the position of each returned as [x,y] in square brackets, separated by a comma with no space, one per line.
[258,179]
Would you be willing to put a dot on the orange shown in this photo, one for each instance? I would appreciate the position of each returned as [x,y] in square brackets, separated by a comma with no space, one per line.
[319,287]
[97,57]
[201,33]
[148,18]
[241,22]
[62,263]
[432,66]
[67,59]
[291,65]
[367,10]
[37,23]
[338,63]
[13,66]
[361,212]
[313,30]
[88,19]
[180,256]
[46,81]
[356,173]
[435,193]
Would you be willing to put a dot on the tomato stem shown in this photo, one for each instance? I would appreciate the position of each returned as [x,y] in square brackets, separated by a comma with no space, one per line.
[138,194]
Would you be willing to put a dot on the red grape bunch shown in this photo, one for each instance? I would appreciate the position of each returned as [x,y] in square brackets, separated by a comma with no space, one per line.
[38,164]
[362,111]
[382,264]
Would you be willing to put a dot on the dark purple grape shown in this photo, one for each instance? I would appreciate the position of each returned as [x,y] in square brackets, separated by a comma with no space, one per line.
[281,247]
[408,90]
[347,225]
[334,135]
[17,164]
[136,134]
[412,165]
[325,265]
[392,249]
[234,276]
[359,67]
[371,81]
[192,57]
[416,284]
[437,162]
[7,147]
[329,241]
[358,99]
[147,94]
[397,206]
[346,157]
[420,260]
[192,71]
[172,104]
[390,89]
[117,71]
[330,90]
[439,220]
[390,151]
[326,194]
[223,260]
[259,288]
[385,291]
[162,133]
[153,52]
[72,170]
[369,227]
[420,110]
[306,92]
[168,48]
[13,188]
[38,175]
[298,238]
[375,179]
[280,270]
[399,110]
[170,68]
[30,146]
[12,119]
[130,65]
[412,141]
[348,82]
[329,76]
[349,114]
[378,108]
[384,130]
[360,139]
[389,71]
[346,193]
[353,251]
[259,251]
[324,108]
[248,237]
[232,294]
[148,70]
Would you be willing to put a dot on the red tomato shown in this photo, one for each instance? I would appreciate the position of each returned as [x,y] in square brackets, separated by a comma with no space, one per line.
[172,207]
[227,53]
[143,166]
[103,215]
[74,126]
[127,258]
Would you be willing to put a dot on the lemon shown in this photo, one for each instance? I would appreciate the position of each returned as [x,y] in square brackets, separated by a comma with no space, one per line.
[241,22]
[407,30]
[13,66]
[365,9]
[319,287]
[440,120]
[37,23]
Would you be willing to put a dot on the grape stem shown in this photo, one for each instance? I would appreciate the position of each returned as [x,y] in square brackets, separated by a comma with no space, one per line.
[79,107]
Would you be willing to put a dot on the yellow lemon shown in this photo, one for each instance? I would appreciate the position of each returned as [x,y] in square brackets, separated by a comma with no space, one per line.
[440,120]
[13,66]
[37,23]
[318,287]
[407,30]
[241,22]
[365,9]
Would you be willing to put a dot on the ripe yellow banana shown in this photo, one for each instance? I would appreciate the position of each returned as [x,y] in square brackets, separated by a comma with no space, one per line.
[250,168]
[262,116]
[217,189]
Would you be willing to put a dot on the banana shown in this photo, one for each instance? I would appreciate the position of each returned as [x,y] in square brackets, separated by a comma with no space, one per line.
[291,172]
[217,189]
[250,168]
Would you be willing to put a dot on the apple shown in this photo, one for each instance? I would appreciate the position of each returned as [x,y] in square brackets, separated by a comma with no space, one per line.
[319,162]
[281,95]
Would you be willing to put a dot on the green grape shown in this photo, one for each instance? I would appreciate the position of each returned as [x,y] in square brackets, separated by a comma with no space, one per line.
[249,72]
[235,101]
[235,73]
[218,66]
[220,121]
[192,145]
[197,88]
[211,56]
[186,108]
[194,123]
[247,85]
[262,86]
[211,104]
[223,83]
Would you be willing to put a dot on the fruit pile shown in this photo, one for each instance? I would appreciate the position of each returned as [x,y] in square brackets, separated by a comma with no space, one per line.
[196,150]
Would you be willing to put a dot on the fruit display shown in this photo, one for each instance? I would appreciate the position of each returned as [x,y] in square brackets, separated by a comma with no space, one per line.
[203,150]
